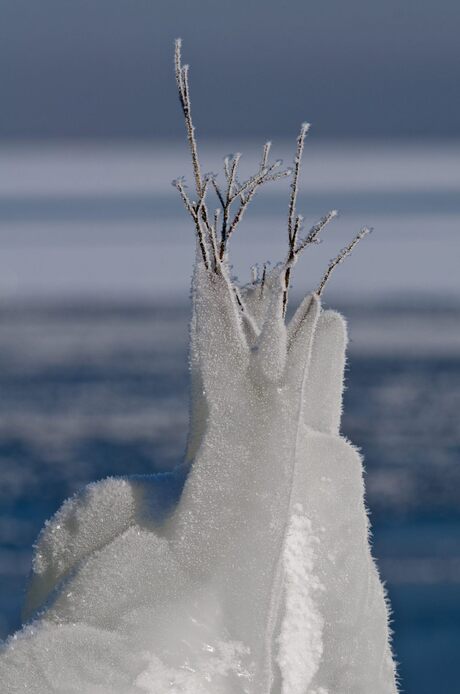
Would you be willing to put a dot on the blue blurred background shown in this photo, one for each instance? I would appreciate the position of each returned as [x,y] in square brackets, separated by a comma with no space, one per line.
[96,255]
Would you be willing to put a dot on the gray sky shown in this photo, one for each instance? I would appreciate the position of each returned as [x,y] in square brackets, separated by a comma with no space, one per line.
[103,68]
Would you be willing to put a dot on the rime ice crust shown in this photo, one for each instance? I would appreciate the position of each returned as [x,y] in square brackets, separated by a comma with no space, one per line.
[261,580]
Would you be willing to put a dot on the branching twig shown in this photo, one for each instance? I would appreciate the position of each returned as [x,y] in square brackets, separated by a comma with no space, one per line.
[314,232]
[213,247]
[245,192]
[294,220]
[344,253]
[304,128]
[264,174]
[196,210]
[295,249]
[180,185]
[291,258]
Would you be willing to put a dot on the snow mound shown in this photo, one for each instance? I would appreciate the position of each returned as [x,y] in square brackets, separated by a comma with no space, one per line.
[260,579]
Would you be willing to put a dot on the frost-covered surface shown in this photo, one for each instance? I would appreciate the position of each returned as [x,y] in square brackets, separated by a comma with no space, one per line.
[261,579]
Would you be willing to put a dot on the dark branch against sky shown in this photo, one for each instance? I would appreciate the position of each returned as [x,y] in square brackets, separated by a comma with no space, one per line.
[104,68]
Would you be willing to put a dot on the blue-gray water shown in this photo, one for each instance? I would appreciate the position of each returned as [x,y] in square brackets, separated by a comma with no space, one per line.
[90,390]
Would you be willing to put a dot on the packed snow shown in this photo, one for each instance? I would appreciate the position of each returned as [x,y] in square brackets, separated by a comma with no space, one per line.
[261,578]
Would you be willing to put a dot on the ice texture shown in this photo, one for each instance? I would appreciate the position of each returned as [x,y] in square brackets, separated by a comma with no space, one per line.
[260,580]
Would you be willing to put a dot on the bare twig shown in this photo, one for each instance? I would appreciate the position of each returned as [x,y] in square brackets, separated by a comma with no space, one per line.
[262,176]
[227,165]
[218,193]
[295,249]
[344,253]
[262,281]
[314,232]
[230,172]
[294,220]
[232,175]
[216,220]
[291,259]
[184,96]
[213,238]
[196,212]
[277,176]
[304,128]
[265,154]
[180,185]
[250,187]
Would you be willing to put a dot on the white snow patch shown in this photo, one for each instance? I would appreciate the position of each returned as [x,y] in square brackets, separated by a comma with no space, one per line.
[301,637]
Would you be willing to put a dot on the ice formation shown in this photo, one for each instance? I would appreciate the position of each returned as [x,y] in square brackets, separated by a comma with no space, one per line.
[260,580]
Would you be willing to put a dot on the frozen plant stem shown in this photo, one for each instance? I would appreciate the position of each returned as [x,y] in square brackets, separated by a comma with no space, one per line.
[305,127]
[295,249]
[214,234]
[184,95]
[294,220]
[344,253]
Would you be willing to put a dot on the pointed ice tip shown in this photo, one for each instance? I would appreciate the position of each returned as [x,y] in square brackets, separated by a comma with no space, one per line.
[305,127]
[278,163]
[334,213]
[178,43]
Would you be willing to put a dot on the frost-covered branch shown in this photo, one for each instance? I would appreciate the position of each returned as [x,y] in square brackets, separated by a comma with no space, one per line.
[344,253]
[234,190]
[184,97]
[234,197]
[244,192]
[296,248]
[312,236]
[200,218]
[264,277]
[294,220]
[304,128]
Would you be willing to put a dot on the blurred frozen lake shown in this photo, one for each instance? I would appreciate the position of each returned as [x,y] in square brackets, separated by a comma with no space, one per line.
[95,264]
[104,220]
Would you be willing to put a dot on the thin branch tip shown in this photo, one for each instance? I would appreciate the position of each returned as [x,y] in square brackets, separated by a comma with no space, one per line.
[342,255]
